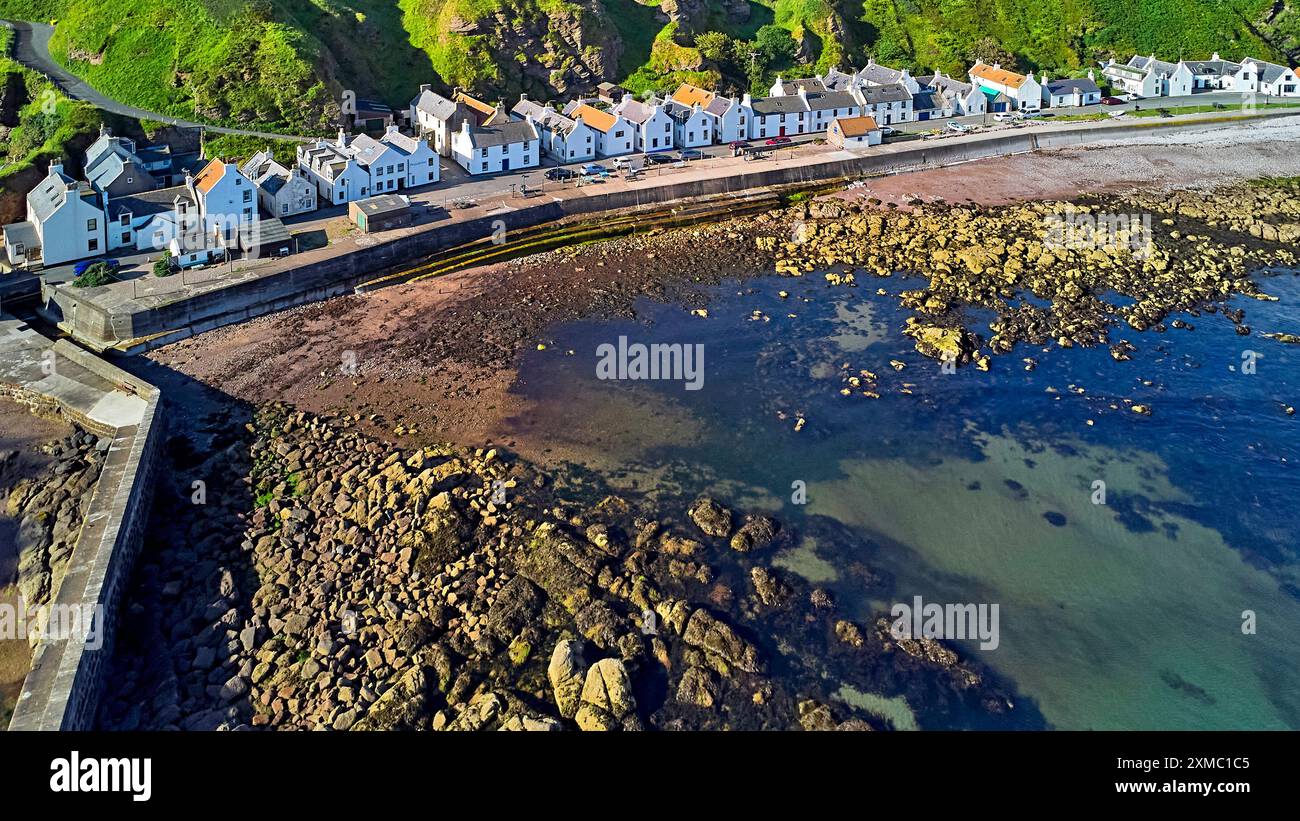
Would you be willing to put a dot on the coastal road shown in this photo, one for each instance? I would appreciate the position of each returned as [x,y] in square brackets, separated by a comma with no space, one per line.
[32,49]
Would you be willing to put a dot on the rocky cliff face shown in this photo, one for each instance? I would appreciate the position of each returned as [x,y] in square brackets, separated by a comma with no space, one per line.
[558,51]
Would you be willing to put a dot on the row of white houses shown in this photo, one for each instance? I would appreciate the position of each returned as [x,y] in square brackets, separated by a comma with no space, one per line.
[145,199]
[1149,77]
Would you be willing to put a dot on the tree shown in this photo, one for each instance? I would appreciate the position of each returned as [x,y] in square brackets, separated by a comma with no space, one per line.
[991,51]
[714,46]
[775,44]
[93,276]
[162,266]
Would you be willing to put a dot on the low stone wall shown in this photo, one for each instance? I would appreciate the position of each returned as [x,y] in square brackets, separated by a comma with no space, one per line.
[103,323]
[62,690]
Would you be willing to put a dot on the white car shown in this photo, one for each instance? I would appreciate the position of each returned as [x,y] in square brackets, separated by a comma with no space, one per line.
[960,128]
[888,131]
[1004,117]
[1030,114]
[623,162]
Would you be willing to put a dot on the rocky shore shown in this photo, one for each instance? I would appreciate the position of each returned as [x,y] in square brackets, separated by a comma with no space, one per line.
[350,585]
[1072,273]
[48,509]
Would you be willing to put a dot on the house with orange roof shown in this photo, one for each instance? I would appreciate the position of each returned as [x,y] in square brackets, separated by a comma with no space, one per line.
[854,132]
[729,118]
[614,134]
[227,202]
[1006,90]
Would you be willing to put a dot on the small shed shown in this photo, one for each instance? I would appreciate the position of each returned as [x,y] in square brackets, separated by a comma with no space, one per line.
[267,237]
[380,213]
[853,132]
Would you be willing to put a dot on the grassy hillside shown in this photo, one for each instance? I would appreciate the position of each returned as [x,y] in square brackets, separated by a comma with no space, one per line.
[1062,35]
[284,64]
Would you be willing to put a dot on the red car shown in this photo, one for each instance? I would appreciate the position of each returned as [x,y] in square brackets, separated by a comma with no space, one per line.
[738,144]
[1111,101]
[778,141]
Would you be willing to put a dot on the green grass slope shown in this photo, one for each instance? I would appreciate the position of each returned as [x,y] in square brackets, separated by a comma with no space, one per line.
[284,64]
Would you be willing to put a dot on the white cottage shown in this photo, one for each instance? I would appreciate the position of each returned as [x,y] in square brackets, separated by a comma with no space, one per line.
[490,149]
[653,127]
[729,119]
[65,222]
[227,202]
[614,134]
[1071,92]
[563,139]
[1262,77]
[1021,91]
[692,126]
[282,192]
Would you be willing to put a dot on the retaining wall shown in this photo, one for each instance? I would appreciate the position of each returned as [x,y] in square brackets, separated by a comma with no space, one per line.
[63,689]
[103,323]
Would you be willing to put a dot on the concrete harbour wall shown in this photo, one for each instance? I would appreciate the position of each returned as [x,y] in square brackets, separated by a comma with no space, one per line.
[139,324]
[63,689]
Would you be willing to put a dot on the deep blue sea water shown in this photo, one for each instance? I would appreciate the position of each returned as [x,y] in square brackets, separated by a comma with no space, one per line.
[982,487]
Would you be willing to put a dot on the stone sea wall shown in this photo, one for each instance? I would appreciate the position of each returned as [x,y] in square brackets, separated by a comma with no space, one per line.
[101,321]
[63,689]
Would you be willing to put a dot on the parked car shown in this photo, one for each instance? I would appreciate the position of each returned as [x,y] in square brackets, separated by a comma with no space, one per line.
[1031,114]
[81,267]
[659,159]
[1004,117]
[778,140]
[690,154]
[888,131]
[623,162]
[560,174]
[594,168]
[960,128]
[1111,101]
[737,145]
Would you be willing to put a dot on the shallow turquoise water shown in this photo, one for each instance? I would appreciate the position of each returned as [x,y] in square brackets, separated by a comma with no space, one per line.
[981,487]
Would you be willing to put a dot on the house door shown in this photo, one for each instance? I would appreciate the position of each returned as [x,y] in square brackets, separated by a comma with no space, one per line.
[782,131]
[924,115]
[505,163]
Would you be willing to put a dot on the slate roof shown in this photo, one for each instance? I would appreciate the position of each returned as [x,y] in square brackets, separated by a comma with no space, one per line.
[366,150]
[1212,68]
[928,99]
[48,196]
[146,203]
[434,104]
[895,93]
[787,104]
[515,131]
[1068,86]
[877,74]
[831,100]
[1150,63]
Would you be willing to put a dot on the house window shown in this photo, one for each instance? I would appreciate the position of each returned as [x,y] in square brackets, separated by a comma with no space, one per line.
[92,245]
[284,209]
[248,195]
[483,153]
[618,134]
[126,218]
[126,238]
[91,225]
[431,161]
